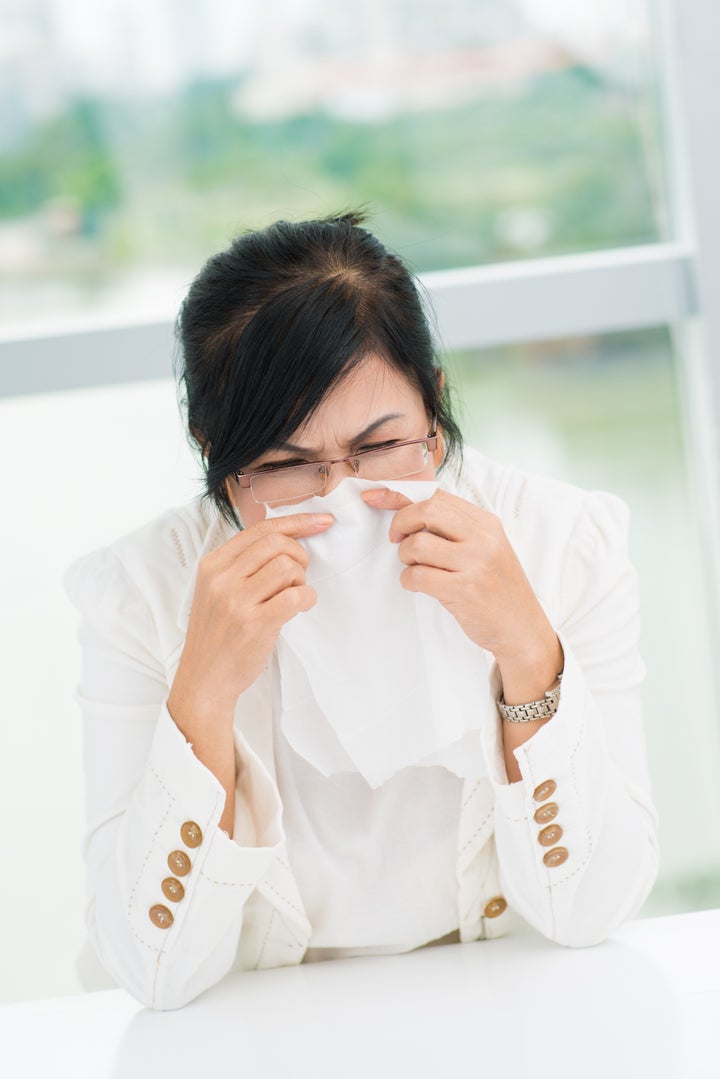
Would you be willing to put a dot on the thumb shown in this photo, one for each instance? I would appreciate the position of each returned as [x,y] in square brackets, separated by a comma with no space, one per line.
[383,498]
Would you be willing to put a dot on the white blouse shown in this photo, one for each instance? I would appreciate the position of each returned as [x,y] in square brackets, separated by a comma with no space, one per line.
[376,869]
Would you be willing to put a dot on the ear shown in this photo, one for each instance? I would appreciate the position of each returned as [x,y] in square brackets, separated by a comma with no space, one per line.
[439,454]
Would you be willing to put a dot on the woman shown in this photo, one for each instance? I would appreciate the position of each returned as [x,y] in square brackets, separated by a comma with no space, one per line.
[236,820]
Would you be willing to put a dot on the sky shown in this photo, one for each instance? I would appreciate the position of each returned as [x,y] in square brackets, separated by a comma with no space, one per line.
[140,46]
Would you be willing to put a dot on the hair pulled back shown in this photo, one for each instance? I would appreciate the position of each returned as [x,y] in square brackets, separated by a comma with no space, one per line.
[270,325]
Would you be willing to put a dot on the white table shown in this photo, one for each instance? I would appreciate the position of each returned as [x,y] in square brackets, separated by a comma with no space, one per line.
[645,1004]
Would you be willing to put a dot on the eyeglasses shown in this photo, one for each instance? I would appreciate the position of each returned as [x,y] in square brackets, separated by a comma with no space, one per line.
[284,483]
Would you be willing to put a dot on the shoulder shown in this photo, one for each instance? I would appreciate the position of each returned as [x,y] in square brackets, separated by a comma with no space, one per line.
[169,544]
[529,503]
[145,571]
[566,537]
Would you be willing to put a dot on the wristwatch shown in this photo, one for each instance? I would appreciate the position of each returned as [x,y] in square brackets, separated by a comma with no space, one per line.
[526,713]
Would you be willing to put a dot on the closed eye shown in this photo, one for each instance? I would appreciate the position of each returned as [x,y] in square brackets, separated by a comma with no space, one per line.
[274,465]
[379,445]
[280,464]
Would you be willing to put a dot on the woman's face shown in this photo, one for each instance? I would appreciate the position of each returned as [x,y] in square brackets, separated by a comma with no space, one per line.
[372,392]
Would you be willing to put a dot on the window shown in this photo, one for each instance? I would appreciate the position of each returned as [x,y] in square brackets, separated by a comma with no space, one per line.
[546,168]
[136,142]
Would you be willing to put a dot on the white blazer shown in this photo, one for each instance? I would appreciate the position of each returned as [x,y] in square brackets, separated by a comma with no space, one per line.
[241,907]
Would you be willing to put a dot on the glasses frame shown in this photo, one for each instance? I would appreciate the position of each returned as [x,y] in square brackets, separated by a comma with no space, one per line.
[244,479]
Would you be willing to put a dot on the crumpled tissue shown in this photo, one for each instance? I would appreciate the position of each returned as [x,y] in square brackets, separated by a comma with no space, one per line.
[375,678]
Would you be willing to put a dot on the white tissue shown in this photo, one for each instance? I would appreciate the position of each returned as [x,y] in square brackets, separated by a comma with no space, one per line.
[375,678]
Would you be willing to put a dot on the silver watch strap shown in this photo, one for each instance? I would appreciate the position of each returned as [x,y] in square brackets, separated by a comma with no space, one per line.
[526,713]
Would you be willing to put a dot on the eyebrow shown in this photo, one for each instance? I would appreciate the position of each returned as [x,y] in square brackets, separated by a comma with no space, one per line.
[358,438]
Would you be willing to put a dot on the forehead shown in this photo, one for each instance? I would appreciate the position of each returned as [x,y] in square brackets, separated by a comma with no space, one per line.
[371,388]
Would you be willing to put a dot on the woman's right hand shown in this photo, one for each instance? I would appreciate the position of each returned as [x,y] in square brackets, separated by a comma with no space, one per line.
[246,590]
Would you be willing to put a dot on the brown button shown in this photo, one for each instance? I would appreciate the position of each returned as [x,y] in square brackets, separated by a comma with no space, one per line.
[172,889]
[191,834]
[554,857]
[161,916]
[495,907]
[546,813]
[550,835]
[179,863]
[545,790]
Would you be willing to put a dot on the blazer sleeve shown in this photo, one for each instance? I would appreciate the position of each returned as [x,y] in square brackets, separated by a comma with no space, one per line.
[143,784]
[597,864]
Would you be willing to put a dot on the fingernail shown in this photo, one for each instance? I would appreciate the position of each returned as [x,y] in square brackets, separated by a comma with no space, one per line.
[322,519]
[372,496]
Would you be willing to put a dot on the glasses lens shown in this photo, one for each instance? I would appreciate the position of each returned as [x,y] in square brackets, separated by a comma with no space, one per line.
[393,463]
[286,484]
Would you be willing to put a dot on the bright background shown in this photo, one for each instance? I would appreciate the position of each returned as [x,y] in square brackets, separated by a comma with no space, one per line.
[136,139]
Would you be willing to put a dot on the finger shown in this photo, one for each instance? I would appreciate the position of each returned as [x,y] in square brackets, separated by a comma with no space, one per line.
[264,549]
[444,514]
[298,524]
[427,549]
[383,498]
[420,516]
[286,604]
[280,573]
[440,583]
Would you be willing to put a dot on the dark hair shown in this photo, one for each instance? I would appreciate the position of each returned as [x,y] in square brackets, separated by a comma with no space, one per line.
[280,317]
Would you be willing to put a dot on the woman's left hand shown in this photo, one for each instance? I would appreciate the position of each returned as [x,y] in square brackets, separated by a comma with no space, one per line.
[460,554]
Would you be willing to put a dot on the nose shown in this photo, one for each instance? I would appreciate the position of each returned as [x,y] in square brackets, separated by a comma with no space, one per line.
[337,472]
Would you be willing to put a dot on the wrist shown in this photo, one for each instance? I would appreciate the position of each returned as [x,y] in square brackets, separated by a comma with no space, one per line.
[197,714]
[532,711]
[527,674]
